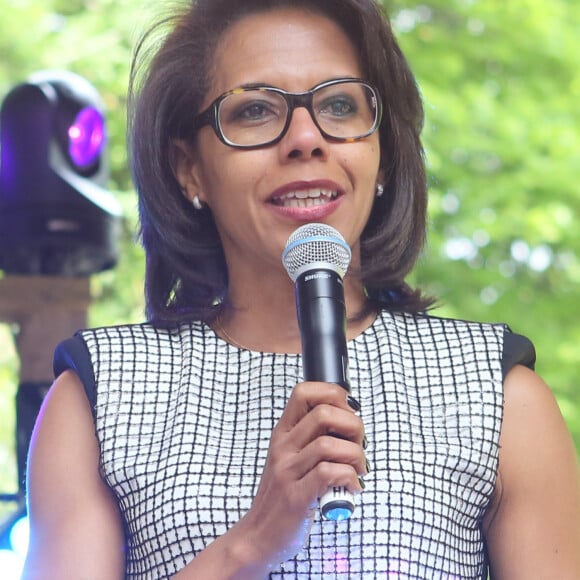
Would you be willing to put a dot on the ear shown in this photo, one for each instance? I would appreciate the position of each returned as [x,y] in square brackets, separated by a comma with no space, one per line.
[186,169]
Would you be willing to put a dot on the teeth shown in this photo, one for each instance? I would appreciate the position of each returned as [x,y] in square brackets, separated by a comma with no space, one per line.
[310,202]
[306,198]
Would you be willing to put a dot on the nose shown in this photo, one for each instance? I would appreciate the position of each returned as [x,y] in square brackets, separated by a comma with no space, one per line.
[303,140]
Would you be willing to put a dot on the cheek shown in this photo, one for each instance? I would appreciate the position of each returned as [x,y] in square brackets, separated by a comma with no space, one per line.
[231,179]
[375,156]
[365,166]
[367,155]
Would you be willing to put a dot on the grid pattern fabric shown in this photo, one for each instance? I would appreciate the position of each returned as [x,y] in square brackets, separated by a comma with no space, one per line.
[184,420]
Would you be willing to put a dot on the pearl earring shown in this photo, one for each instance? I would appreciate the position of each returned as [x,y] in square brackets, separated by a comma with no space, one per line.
[380,189]
[196,202]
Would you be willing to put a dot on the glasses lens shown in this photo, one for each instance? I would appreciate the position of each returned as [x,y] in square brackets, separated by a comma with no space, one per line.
[346,110]
[252,117]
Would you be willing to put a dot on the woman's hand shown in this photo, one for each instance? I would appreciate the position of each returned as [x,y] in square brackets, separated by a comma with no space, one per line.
[317,444]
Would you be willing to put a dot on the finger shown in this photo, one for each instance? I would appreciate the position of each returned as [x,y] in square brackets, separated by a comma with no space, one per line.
[329,474]
[308,395]
[325,419]
[328,449]
[313,440]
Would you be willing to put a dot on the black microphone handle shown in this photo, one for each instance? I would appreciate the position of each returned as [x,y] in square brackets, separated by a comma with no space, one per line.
[322,320]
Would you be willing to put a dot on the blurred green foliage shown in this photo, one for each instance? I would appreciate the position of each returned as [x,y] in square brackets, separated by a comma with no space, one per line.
[501,83]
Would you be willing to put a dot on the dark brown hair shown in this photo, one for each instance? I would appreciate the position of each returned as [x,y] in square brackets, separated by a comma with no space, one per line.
[186,274]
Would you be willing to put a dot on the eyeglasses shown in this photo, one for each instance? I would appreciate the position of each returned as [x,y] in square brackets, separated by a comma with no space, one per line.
[344,110]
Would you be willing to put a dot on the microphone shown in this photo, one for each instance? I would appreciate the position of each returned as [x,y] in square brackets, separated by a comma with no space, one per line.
[316,258]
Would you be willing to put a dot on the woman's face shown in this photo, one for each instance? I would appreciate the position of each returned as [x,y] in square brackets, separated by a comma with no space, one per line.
[253,194]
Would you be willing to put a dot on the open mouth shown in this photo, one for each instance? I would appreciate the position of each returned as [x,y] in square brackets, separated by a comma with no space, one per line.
[305,198]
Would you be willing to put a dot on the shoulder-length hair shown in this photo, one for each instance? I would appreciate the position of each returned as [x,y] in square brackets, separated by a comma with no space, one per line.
[186,275]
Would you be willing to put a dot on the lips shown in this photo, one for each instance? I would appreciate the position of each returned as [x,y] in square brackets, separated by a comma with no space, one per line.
[305,198]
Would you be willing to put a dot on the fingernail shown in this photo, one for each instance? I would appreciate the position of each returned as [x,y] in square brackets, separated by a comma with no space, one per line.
[362,482]
[368,465]
[365,442]
[353,403]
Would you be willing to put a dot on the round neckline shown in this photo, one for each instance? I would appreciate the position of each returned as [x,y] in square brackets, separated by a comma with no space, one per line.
[238,347]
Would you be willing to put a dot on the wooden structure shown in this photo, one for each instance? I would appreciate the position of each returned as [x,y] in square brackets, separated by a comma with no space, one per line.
[44,311]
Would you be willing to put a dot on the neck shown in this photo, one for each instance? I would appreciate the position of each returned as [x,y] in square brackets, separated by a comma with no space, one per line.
[267,321]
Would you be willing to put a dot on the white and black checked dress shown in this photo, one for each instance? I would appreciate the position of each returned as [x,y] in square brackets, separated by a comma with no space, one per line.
[184,421]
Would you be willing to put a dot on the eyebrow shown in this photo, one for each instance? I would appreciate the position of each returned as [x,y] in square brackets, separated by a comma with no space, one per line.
[257,85]
[260,85]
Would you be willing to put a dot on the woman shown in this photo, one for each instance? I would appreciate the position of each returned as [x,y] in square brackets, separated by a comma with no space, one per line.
[190,447]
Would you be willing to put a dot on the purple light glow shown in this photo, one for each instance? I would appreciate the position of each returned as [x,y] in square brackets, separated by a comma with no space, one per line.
[339,562]
[86,137]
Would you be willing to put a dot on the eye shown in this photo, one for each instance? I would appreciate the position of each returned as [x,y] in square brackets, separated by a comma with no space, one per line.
[253,111]
[338,106]
[252,108]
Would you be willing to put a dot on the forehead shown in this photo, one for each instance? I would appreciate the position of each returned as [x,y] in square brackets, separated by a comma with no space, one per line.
[290,48]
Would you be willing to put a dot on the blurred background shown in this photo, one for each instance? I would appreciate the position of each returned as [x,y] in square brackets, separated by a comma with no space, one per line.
[501,86]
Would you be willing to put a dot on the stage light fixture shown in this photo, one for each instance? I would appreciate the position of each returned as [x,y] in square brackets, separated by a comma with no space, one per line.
[57,219]
[56,215]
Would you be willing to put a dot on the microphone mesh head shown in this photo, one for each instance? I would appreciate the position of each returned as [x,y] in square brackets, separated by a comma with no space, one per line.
[316,246]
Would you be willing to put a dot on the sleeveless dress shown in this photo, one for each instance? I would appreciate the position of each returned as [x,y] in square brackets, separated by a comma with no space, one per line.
[184,419]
